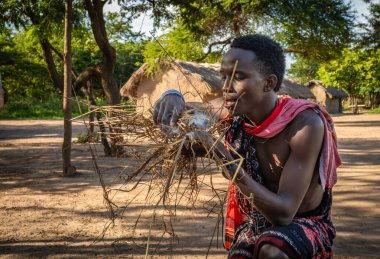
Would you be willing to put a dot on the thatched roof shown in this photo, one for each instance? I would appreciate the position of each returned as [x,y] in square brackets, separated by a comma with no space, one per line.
[209,73]
[331,92]
[130,87]
[335,92]
[295,90]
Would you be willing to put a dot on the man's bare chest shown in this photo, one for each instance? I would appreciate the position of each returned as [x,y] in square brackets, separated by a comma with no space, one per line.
[272,154]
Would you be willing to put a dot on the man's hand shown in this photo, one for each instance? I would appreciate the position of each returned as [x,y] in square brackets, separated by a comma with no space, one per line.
[167,111]
[207,141]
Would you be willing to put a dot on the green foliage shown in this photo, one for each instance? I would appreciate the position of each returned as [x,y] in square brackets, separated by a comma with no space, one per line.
[85,138]
[303,70]
[370,37]
[44,14]
[32,108]
[179,43]
[129,59]
[202,18]
[304,27]
[357,71]
[22,68]
[119,29]
[376,110]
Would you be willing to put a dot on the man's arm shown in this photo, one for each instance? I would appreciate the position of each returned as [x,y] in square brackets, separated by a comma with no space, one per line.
[280,207]
[215,107]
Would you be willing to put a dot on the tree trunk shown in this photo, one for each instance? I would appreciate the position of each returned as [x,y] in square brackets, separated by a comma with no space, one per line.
[355,108]
[49,61]
[68,169]
[107,78]
[95,11]
[91,102]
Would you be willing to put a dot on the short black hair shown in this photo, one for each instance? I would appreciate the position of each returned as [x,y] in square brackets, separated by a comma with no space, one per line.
[268,52]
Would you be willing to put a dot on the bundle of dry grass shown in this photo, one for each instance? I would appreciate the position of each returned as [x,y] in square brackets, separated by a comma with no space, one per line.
[170,174]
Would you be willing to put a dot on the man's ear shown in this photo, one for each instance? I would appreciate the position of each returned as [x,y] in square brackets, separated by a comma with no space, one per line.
[271,82]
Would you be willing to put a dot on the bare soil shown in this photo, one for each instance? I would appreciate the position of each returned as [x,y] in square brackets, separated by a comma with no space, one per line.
[44,215]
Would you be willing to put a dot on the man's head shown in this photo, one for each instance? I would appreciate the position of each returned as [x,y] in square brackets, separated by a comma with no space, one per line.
[269,54]
[260,66]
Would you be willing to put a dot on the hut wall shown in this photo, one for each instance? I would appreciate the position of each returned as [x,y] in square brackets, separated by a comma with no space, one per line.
[320,95]
[145,96]
[332,105]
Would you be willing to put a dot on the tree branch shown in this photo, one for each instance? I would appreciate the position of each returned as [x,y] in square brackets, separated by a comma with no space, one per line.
[95,11]
[87,74]
[49,60]
[210,48]
[299,51]
[103,2]
[59,54]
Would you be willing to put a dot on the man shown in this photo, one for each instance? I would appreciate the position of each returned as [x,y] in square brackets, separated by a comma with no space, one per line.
[281,205]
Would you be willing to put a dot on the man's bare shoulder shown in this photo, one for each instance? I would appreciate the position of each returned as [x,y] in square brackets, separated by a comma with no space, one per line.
[307,121]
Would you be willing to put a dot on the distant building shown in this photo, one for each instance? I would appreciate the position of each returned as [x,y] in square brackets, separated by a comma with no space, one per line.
[296,90]
[196,81]
[329,97]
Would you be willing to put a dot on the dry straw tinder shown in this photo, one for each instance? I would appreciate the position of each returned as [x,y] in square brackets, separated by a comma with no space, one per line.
[169,175]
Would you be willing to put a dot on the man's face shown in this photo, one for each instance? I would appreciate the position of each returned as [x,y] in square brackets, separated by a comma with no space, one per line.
[247,86]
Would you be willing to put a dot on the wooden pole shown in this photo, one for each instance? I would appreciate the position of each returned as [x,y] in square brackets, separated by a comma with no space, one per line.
[68,169]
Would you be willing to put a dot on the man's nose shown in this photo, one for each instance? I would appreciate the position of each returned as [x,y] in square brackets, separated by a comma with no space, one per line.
[227,85]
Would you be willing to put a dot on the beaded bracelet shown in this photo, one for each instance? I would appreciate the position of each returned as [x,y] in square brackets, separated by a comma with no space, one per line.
[173,91]
[232,167]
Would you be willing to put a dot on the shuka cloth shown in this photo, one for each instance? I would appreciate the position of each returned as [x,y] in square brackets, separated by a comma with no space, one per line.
[310,234]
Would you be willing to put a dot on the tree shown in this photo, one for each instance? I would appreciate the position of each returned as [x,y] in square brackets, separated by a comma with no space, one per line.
[304,27]
[303,69]
[105,70]
[357,68]
[178,43]
[23,68]
[356,72]
[40,19]
[307,29]
[370,36]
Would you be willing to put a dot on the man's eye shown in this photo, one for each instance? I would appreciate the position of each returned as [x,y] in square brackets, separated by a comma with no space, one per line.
[239,77]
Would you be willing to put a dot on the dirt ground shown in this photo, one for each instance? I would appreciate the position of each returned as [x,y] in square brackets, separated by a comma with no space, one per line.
[43,215]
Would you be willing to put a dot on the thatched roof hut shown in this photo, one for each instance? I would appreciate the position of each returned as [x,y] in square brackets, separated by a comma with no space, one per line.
[197,82]
[329,97]
[336,93]
[295,90]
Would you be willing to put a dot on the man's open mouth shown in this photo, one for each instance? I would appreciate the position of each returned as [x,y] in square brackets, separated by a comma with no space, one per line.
[230,104]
